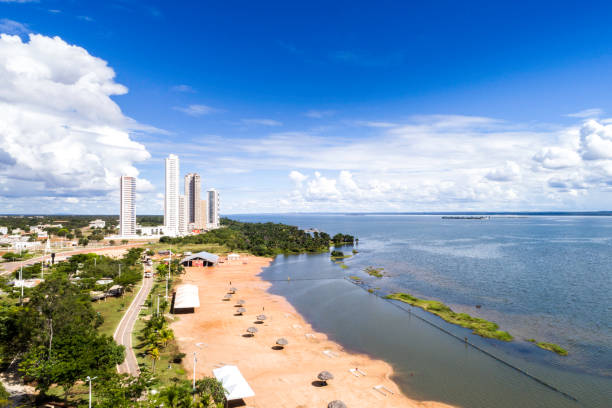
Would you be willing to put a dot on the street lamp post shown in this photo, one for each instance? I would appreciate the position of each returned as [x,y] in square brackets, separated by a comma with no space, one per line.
[195,360]
[90,380]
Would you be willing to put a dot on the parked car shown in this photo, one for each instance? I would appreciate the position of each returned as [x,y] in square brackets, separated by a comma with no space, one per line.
[148,275]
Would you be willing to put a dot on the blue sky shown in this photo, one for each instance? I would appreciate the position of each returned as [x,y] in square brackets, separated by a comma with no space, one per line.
[317,106]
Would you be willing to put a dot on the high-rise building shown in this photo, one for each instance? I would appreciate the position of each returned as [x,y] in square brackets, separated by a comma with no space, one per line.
[204,207]
[171,203]
[127,211]
[193,197]
[213,209]
[183,218]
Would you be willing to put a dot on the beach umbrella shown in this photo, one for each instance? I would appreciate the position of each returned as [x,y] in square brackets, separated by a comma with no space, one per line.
[336,404]
[227,297]
[261,317]
[252,330]
[241,310]
[325,376]
[282,342]
[241,302]
[233,290]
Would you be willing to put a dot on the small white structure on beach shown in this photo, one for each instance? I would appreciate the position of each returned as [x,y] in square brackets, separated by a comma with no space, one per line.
[186,297]
[233,382]
[233,257]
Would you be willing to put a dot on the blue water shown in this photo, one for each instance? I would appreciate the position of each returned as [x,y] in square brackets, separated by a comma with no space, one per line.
[545,277]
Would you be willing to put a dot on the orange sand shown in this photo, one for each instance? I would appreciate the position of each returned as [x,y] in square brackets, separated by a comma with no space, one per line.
[279,378]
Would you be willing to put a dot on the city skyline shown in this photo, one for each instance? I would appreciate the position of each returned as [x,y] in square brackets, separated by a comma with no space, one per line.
[394,108]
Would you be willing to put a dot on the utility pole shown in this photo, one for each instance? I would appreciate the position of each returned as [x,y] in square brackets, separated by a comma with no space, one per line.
[195,360]
[157,305]
[90,380]
[120,269]
[21,280]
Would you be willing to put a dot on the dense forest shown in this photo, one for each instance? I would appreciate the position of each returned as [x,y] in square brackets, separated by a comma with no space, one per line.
[263,239]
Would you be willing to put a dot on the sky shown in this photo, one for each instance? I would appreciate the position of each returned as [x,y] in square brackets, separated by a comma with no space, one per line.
[311,106]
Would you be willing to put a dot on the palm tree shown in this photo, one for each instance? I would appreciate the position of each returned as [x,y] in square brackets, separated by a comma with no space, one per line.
[165,335]
[154,353]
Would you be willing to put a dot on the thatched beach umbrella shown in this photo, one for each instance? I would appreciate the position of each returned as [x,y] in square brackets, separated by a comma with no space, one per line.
[232,290]
[336,404]
[252,330]
[325,376]
[241,310]
[227,297]
[241,302]
[261,318]
[282,342]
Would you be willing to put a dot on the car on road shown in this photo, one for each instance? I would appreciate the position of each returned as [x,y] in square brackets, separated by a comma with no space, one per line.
[148,275]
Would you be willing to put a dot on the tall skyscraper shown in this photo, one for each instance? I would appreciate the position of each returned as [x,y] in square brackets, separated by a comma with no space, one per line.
[213,209]
[193,198]
[171,203]
[127,211]
[183,218]
[204,207]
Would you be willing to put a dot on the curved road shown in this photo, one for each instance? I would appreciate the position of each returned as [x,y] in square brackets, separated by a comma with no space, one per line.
[123,333]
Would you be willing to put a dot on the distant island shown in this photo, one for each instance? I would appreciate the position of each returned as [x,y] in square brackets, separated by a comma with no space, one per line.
[465,217]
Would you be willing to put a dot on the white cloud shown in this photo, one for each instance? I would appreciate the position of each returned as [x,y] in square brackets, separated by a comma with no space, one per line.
[262,122]
[587,113]
[61,134]
[318,114]
[555,157]
[13,27]
[297,177]
[19,1]
[595,141]
[196,110]
[72,200]
[375,124]
[183,88]
[508,172]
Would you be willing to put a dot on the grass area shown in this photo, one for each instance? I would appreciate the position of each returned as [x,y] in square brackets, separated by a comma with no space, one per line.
[112,310]
[376,272]
[165,368]
[550,347]
[481,327]
[180,248]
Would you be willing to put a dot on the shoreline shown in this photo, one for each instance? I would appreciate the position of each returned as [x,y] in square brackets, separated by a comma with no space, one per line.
[279,378]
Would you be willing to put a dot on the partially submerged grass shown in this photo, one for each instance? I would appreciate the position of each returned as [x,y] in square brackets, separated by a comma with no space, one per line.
[344,266]
[549,346]
[481,327]
[376,272]
[355,278]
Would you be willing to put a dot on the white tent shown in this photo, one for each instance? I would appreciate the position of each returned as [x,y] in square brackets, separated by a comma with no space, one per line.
[233,257]
[186,297]
[234,383]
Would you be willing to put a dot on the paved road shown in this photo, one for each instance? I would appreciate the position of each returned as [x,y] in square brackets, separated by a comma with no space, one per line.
[123,334]
[8,267]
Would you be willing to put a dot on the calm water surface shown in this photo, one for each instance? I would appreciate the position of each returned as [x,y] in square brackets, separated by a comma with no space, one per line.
[547,278]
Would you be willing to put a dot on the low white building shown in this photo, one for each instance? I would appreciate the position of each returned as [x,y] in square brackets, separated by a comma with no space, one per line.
[3,230]
[26,245]
[97,224]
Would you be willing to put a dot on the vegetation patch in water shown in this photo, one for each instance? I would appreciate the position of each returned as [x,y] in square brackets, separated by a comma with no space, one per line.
[481,327]
[376,272]
[549,346]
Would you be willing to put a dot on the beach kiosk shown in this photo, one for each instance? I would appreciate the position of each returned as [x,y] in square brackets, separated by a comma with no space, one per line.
[200,259]
[233,257]
[233,382]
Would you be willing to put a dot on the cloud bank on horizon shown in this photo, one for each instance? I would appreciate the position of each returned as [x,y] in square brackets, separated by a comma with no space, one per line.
[64,142]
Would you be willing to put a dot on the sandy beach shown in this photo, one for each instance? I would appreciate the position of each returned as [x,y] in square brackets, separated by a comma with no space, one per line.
[279,378]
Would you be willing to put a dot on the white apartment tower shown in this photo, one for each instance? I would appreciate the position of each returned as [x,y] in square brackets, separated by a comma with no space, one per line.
[183,218]
[171,203]
[127,212]
[213,209]
[193,197]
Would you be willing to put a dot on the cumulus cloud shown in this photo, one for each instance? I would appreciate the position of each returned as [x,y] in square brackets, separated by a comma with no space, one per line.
[555,157]
[196,110]
[596,141]
[61,134]
[297,177]
[508,172]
